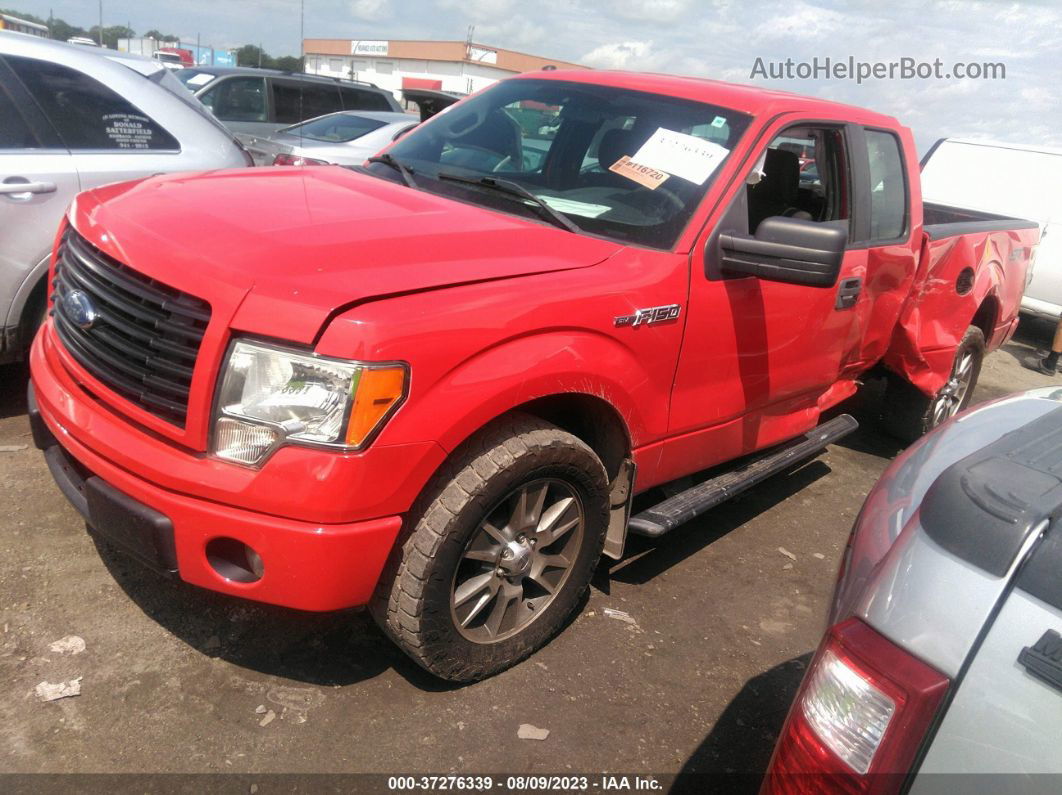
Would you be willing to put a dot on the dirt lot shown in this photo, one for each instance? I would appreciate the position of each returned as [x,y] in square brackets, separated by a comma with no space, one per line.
[176,679]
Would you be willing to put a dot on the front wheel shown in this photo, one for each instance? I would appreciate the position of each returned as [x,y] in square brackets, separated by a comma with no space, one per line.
[909,413]
[501,552]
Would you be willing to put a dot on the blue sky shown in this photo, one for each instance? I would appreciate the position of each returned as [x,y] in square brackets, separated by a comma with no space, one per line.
[708,38]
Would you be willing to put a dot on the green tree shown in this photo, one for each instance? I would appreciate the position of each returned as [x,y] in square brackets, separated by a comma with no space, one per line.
[288,63]
[62,30]
[111,34]
[157,36]
[23,15]
[250,55]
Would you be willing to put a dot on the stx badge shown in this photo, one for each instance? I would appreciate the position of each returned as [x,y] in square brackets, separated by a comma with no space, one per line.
[654,314]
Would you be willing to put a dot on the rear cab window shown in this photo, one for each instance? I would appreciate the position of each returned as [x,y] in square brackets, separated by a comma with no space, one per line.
[88,115]
[888,187]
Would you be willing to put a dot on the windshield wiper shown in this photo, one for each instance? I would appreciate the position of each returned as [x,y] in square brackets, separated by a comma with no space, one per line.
[515,189]
[390,160]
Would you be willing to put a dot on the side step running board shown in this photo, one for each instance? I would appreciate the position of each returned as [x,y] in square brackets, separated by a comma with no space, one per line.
[686,505]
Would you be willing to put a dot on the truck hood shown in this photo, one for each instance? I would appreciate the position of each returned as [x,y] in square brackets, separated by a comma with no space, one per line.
[278,250]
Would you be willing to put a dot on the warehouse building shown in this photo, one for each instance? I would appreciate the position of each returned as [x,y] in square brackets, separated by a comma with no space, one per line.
[456,66]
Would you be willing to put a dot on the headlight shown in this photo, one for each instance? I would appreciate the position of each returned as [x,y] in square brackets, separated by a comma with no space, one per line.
[270,396]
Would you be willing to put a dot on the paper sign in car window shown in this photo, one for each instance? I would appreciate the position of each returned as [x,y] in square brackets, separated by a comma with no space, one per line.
[129,131]
[575,207]
[685,156]
[644,175]
[200,79]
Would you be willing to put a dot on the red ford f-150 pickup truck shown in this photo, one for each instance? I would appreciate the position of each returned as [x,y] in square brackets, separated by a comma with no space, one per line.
[433,384]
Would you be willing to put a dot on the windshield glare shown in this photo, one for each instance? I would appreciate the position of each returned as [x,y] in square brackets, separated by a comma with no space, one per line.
[569,143]
[337,128]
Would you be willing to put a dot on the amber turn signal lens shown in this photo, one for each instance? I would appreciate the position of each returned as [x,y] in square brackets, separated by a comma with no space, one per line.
[378,391]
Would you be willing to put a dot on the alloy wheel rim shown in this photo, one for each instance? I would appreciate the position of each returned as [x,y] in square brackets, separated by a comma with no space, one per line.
[517,560]
[950,398]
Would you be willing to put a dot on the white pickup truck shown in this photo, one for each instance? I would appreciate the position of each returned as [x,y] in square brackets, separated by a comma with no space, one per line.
[1006,179]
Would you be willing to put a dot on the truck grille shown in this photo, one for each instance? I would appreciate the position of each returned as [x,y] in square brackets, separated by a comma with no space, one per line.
[135,335]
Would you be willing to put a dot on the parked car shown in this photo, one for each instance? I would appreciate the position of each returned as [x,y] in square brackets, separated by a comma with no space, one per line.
[170,60]
[71,119]
[944,653]
[346,138]
[1007,179]
[255,103]
[185,57]
[435,390]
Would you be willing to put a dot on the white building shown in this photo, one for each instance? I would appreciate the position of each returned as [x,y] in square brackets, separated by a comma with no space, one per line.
[454,66]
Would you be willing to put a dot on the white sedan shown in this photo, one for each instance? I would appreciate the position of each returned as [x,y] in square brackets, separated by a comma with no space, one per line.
[346,138]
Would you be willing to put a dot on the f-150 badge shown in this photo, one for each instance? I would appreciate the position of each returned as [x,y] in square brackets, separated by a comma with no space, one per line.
[654,314]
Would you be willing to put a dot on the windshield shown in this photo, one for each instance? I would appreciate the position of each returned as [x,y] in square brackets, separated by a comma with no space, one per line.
[337,128]
[619,163]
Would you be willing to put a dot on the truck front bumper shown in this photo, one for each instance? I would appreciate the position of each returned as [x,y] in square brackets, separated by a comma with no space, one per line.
[301,564]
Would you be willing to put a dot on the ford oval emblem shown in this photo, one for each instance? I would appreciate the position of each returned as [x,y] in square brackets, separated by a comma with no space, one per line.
[79,309]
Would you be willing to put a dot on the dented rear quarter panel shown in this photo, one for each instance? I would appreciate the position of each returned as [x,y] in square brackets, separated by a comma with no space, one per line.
[935,315]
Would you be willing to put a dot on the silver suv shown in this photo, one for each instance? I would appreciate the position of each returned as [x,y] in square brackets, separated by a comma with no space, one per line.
[73,118]
[258,102]
[944,653]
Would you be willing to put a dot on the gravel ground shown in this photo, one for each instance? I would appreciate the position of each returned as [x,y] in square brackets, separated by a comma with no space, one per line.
[177,679]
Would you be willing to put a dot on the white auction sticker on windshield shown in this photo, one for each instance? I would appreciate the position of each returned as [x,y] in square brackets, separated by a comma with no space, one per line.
[200,79]
[685,156]
[575,207]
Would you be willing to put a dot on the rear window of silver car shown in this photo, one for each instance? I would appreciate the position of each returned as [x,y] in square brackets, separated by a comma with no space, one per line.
[337,128]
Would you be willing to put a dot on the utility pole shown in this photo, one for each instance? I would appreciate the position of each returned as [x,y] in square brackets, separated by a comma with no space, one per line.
[101,23]
[197,56]
[259,55]
[302,36]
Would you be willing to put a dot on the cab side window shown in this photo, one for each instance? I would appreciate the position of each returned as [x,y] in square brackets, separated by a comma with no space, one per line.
[804,174]
[888,187]
[237,99]
[87,114]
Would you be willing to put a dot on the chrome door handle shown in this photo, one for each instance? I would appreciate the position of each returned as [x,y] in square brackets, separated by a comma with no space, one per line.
[26,187]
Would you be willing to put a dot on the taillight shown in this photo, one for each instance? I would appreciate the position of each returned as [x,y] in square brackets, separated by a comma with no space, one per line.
[297,160]
[862,712]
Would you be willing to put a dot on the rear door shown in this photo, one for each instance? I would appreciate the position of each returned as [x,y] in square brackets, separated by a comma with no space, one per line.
[38,179]
[890,231]
[108,137]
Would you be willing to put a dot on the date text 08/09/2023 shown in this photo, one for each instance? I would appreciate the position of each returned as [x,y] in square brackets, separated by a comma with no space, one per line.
[601,782]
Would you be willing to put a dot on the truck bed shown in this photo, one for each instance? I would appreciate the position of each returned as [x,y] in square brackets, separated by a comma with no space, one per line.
[942,220]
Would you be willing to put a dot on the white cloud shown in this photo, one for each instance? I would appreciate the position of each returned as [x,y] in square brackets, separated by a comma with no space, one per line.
[631,55]
[479,10]
[370,10]
[653,11]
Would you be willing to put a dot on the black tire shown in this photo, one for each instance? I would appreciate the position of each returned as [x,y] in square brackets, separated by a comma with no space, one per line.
[908,413]
[412,603]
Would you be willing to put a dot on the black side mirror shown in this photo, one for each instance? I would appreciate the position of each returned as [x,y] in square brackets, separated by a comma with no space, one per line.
[788,250]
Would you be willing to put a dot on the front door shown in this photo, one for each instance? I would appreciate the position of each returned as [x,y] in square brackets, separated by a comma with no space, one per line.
[758,355]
